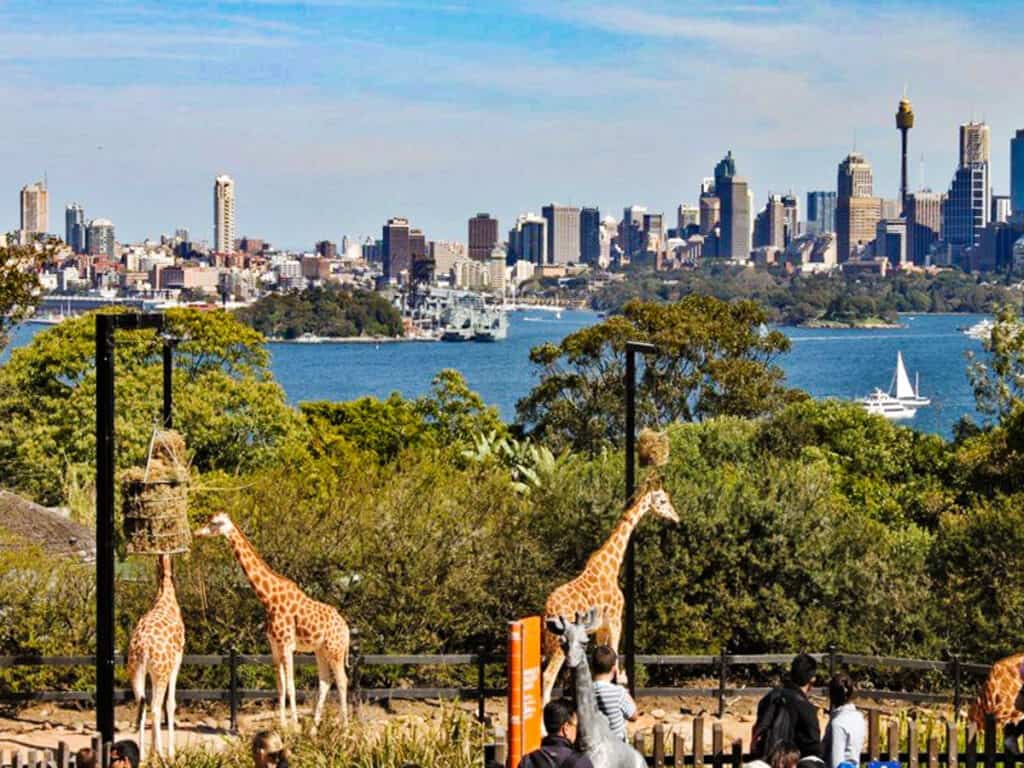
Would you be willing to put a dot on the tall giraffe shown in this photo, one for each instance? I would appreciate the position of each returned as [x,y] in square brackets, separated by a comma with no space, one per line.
[598,585]
[295,622]
[155,649]
[999,694]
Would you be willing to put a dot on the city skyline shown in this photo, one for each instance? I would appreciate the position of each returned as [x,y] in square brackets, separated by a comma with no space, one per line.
[595,115]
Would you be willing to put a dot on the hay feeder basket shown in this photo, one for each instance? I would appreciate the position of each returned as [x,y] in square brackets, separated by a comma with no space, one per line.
[155,500]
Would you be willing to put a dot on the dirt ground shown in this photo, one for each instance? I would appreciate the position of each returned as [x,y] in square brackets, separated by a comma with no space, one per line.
[43,726]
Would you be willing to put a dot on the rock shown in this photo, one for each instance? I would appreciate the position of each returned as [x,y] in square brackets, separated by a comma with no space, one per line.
[47,725]
[658,714]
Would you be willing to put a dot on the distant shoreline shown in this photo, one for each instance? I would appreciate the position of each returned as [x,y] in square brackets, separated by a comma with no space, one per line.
[352,340]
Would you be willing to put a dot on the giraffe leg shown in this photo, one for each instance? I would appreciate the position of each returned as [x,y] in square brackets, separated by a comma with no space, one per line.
[172,704]
[138,681]
[282,685]
[614,633]
[555,660]
[159,693]
[289,668]
[341,679]
[323,673]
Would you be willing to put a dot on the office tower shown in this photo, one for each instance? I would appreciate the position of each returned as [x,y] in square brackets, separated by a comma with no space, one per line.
[99,238]
[687,216]
[770,224]
[654,231]
[904,122]
[444,254]
[974,143]
[968,204]
[223,214]
[891,241]
[791,215]
[563,233]
[924,224]
[483,236]
[182,235]
[326,249]
[821,212]
[74,227]
[528,240]
[1017,173]
[590,236]
[632,239]
[1000,208]
[35,216]
[396,252]
[710,212]
[734,194]
[725,168]
[857,210]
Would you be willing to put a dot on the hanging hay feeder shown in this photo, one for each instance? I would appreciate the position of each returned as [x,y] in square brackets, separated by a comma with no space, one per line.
[155,499]
[652,448]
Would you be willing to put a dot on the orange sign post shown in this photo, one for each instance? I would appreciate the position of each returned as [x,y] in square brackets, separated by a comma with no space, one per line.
[524,688]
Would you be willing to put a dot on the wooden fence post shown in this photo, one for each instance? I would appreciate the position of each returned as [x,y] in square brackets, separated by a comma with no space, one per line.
[717,747]
[723,673]
[990,741]
[737,753]
[659,745]
[16,761]
[933,751]
[913,749]
[698,742]
[678,749]
[33,758]
[63,758]
[952,744]
[874,750]
[892,741]
[233,688]
[481,678]
[956,687]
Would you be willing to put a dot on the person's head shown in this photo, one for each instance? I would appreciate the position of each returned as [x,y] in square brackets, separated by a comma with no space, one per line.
[802,670]
[786,754]
[840,690]
[85,758]
[124,754]
[602,660]
[268,750]
[560,718]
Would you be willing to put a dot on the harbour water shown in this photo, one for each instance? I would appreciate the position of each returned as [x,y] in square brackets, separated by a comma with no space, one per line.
[843,363]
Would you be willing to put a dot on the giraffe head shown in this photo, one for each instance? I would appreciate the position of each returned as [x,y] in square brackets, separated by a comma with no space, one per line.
[660,504]
[218,525]
[573,635]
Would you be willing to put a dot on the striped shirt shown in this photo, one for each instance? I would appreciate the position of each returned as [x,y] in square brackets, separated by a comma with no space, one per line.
[616,704]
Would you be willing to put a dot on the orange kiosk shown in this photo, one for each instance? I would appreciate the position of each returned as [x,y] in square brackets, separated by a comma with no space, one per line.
[524,688]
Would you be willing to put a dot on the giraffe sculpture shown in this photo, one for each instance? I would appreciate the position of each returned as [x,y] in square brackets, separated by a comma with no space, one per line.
[155,650]
[593,736]
[598,585]
[295,622]
[1000,697]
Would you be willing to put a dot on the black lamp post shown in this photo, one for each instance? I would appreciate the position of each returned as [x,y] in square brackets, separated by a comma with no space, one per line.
[105,327]
[632,347]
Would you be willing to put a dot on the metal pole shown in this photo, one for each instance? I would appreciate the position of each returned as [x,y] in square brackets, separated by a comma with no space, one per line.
[168,358]
[105,527]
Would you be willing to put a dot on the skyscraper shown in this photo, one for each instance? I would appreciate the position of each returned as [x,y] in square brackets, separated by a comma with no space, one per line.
[35,216]
[74,227]
[396,253]
[100,238]
[924,223]
[223,214]
[904,122]
[483,236]
[734,194]
[974,143]
[969,203]
[528,240]
[770,224]
[821,212]
[687,216]
[632,238]
[1017,172]
[710,212]
[590,236]
[857,210]
[563,233]
[791,215]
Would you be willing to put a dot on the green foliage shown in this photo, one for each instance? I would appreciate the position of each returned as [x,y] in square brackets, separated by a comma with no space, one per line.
[712,360]
[230,411]
[331,311]
[19,286]
[998,379]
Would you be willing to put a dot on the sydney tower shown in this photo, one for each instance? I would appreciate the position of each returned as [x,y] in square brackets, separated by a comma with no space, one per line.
[904,121]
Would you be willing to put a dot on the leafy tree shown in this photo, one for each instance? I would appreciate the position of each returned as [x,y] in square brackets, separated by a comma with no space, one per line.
[330,311]
[713,359]
[998,381]
[230,411]
[19,286]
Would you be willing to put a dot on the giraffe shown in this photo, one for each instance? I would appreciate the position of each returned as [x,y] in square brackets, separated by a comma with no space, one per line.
[598,585]
[295,622]
[594,737]
[1000,696]
[155,649]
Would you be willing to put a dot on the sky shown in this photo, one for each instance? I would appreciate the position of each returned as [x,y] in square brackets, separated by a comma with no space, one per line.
[334,115]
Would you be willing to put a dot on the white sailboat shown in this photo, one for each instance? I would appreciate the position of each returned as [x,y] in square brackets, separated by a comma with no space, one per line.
[902,404]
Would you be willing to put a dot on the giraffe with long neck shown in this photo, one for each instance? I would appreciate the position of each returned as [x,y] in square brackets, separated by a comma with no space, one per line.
[155,650]
[295,622]
[597,585]
[999,695]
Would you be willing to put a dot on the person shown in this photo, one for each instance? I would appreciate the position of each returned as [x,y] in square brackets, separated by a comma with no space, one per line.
[844,735]
[612,699]
[786,714]
[557,749]
[268,750]
[85,758]
[124,754]
[786,754]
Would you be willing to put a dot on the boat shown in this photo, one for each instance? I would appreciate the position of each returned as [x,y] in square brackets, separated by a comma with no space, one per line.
[307,338]
[901,401]
[457,322]
[491,325]
[982,330]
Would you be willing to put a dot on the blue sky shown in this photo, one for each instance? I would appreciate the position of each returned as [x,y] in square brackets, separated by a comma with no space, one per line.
[333,115]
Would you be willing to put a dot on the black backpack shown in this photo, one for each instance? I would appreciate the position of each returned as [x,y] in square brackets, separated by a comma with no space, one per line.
[776,724]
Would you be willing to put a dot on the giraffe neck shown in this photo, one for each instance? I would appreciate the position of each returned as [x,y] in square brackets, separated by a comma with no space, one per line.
[165,595]
[260,575]
[609,556]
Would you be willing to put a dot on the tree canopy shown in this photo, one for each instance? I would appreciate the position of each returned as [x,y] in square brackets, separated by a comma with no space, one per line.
[19,286]
[330,311]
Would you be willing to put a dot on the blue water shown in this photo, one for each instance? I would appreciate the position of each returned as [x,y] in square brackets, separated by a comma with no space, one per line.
[826,363]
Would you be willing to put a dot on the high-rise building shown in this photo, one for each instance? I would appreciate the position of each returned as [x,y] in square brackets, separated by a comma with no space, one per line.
[770,224]
[1017,172]
[528,239]
[632,238]
[654,231]
[857,210]
[734,193]
[396,251]
[563,233]
[924,224]
[904,122]
[687,216]
[590,236]
[223,214]
[891,241]
[974,143]
[483,236]
[1000,208]
[326,249]
[710,212]
[74,227]
[821,212]
[99,238]
[969,204]
[35,211]
[791,215]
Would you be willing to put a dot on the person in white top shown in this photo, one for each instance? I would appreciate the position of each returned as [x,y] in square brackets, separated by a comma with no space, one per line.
[844,736]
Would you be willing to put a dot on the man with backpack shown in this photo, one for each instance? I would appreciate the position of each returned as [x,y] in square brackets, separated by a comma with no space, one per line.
[785,714]
[557,749]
